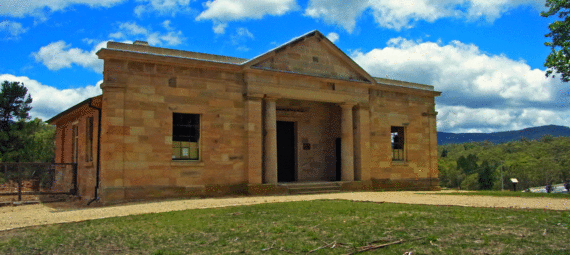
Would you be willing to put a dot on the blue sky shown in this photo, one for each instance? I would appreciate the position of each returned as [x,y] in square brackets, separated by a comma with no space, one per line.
[486,56]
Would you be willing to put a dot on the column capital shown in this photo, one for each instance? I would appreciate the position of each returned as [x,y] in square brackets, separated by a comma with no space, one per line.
[272,97]
[347,105]
[364,106]
[253,96]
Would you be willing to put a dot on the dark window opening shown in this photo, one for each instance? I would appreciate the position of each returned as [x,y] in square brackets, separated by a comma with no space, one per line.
[172,82]
[331,85]
[185,136]
[398,138]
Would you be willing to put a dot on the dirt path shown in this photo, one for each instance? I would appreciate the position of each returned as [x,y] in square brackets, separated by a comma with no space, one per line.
[40,214]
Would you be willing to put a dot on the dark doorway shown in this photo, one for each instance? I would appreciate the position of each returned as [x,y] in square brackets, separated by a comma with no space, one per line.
[338,164]
[285,151]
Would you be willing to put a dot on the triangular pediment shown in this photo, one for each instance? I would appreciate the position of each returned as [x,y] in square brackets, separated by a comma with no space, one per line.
[312,54]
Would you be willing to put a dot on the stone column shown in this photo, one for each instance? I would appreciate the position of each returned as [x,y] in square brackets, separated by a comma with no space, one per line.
[362,143]
[254,138]
[347,143]
[270,148]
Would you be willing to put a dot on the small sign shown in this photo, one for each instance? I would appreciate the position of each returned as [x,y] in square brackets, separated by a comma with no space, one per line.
[514,180]
[184,152]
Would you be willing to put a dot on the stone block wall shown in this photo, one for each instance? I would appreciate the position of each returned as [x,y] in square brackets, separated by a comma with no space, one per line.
[310,56]
[416,114]
[139,101]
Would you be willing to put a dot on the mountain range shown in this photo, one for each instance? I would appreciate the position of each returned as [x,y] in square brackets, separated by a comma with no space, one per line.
[502,137]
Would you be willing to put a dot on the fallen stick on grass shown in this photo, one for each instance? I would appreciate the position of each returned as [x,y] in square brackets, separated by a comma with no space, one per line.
[375,247]
[331,245]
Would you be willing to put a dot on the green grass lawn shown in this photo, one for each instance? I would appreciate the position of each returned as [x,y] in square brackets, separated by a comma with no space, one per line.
[301,227]
[507,194]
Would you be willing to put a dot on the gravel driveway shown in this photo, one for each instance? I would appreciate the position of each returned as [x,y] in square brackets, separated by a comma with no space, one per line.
[42,214]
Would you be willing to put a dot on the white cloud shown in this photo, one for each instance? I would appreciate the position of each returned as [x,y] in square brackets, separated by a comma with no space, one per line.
[162,7]
[333,37]
[344,13]
[461,119]
[47,101]
[58,55]
[219,27]
[402,14]
[223,11]
[23,8]
[132,31]
[477,87]
[14,29]
[244,32]
[241,36]
[459,68]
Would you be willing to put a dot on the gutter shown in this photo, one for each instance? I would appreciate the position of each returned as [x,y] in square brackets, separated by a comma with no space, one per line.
[97,177]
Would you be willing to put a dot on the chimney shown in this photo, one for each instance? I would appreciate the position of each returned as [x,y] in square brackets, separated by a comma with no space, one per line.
[141,43]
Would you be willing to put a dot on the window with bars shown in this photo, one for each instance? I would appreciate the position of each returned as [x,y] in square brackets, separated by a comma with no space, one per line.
[398,138]
[185,136]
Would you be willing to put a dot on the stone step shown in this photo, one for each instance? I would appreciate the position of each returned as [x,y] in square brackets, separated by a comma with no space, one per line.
[313,188]
[311,184]
[314,192]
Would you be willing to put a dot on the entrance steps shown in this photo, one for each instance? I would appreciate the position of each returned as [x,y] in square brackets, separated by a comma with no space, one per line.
[301,188]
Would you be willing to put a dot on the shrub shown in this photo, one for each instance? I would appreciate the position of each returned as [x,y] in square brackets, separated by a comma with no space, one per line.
[471,182]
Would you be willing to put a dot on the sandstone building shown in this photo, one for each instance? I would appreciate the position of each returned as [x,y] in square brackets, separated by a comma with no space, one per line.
[175,123]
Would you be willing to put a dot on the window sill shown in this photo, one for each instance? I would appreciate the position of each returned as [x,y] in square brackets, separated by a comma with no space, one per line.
[399,163]
[186,163]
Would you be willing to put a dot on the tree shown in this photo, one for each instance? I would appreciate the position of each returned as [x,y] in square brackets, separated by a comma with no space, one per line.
[468,164]
[40,147]
[486,176]
[14,107]
[444,153]
[559,59]
[471,182]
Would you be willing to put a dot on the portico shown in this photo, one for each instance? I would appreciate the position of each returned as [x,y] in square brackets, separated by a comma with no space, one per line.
[324,139]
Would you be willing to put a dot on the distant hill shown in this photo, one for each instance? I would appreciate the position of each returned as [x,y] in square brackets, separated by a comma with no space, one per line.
[502,137]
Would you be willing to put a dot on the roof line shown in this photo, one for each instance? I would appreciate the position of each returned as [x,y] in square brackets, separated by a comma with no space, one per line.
[70,109]
[280,46]
[171,56]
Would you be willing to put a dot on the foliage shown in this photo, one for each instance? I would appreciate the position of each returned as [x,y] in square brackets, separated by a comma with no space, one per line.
[471,182]
[532,162]
[506,194]
[559,59]
[22,140]
[444,153]
[14,108]
[303,227]
[486,176]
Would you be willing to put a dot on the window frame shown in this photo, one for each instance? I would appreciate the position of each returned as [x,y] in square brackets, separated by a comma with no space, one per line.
[398,147]
[75,143]
[177,138]
[89,139]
